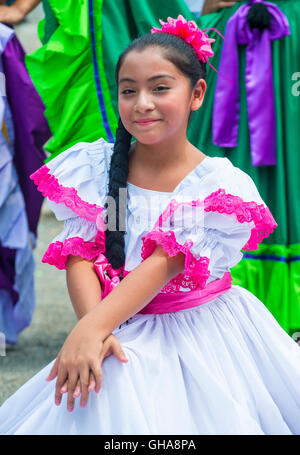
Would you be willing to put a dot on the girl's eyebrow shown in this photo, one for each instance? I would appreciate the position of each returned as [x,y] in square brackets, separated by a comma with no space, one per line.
[127,79]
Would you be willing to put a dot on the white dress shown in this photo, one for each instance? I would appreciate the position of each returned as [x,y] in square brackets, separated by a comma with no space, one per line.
[223,367]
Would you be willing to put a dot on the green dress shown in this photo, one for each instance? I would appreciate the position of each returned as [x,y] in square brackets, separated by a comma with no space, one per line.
[74,72]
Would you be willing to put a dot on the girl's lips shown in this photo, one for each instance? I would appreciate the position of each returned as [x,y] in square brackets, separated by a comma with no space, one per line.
[146,122]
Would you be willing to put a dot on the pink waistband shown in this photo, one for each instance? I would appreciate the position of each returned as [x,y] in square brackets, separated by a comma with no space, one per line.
[163,302]
[176,301]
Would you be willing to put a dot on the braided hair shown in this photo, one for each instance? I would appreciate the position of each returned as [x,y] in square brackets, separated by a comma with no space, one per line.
[184,57]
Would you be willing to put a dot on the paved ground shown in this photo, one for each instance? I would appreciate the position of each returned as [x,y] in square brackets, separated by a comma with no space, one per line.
[27,30]
[54,316]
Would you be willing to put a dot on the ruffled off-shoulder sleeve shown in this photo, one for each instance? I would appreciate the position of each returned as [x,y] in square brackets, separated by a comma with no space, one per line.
[74,184]
[211,223]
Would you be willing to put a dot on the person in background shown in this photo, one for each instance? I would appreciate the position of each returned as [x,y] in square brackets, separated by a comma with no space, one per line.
[202,7]
[14,13]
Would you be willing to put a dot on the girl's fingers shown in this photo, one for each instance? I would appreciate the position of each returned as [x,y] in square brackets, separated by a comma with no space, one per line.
[69,382]
[72,382]
[77,390]
[64,388]
[118,352]
[84,380]
[54,370]
[91,386]
[106,349]
[61,379]
[92,383]
[97,373]
[112,346]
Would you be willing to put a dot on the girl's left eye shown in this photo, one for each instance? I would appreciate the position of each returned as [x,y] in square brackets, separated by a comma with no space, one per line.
[127,92]
[161,88]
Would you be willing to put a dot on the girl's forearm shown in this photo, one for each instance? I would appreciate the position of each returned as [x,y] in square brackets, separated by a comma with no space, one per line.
[83,285]
[135,291]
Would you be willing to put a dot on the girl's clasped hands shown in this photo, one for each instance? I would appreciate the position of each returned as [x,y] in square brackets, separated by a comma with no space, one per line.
[110,345]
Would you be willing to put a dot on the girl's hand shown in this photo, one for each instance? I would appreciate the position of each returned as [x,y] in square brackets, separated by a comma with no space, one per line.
[78,357]
[111,345]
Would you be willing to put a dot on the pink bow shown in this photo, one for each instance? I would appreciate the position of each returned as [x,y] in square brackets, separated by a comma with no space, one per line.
[109,277]
[189,31]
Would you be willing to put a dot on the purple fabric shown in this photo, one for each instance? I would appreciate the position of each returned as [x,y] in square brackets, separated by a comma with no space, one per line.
[30,126]
[259,84]
[7,271]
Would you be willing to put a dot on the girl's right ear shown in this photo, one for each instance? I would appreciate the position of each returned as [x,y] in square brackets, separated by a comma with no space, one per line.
[198,95]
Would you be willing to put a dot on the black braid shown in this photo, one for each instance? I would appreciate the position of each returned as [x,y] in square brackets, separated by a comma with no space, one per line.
[118,174]
[259,17]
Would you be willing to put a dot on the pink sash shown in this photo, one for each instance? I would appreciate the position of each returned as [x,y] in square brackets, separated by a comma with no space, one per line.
[176,301]
[163,302]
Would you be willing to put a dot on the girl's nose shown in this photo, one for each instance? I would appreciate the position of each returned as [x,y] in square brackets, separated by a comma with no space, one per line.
[144,103]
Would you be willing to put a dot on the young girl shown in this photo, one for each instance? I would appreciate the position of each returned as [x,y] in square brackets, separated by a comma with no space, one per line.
[151,266]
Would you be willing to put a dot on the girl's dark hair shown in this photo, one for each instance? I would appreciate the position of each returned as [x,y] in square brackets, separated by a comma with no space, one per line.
[184,57]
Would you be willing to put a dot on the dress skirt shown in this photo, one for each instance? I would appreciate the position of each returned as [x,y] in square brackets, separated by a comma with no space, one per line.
[225,367]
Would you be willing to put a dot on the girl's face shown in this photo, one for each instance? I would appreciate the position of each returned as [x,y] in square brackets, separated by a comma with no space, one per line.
[155,98]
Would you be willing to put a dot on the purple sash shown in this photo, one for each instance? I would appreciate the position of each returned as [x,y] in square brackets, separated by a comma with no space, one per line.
[259,84]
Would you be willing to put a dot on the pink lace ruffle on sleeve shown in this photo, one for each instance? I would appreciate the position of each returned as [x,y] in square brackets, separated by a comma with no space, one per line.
[48,185]
[58,252]
[196,271]
[245,212]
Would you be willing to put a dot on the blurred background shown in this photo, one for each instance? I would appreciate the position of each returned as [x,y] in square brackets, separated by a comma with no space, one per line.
[53,316]
[26,31]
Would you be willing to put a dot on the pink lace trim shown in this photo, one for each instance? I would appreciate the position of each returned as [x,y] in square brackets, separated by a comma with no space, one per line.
[48,185]
[196,271]
[58,252]
[245,212]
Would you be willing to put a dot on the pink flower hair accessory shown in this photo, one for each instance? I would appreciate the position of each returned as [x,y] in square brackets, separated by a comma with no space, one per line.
[189,31]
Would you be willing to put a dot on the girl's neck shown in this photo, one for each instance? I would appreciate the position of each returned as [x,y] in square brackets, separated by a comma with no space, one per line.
[161,156]
[162,175]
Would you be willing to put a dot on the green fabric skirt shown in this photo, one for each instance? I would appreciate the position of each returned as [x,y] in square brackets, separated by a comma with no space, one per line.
[74,73]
